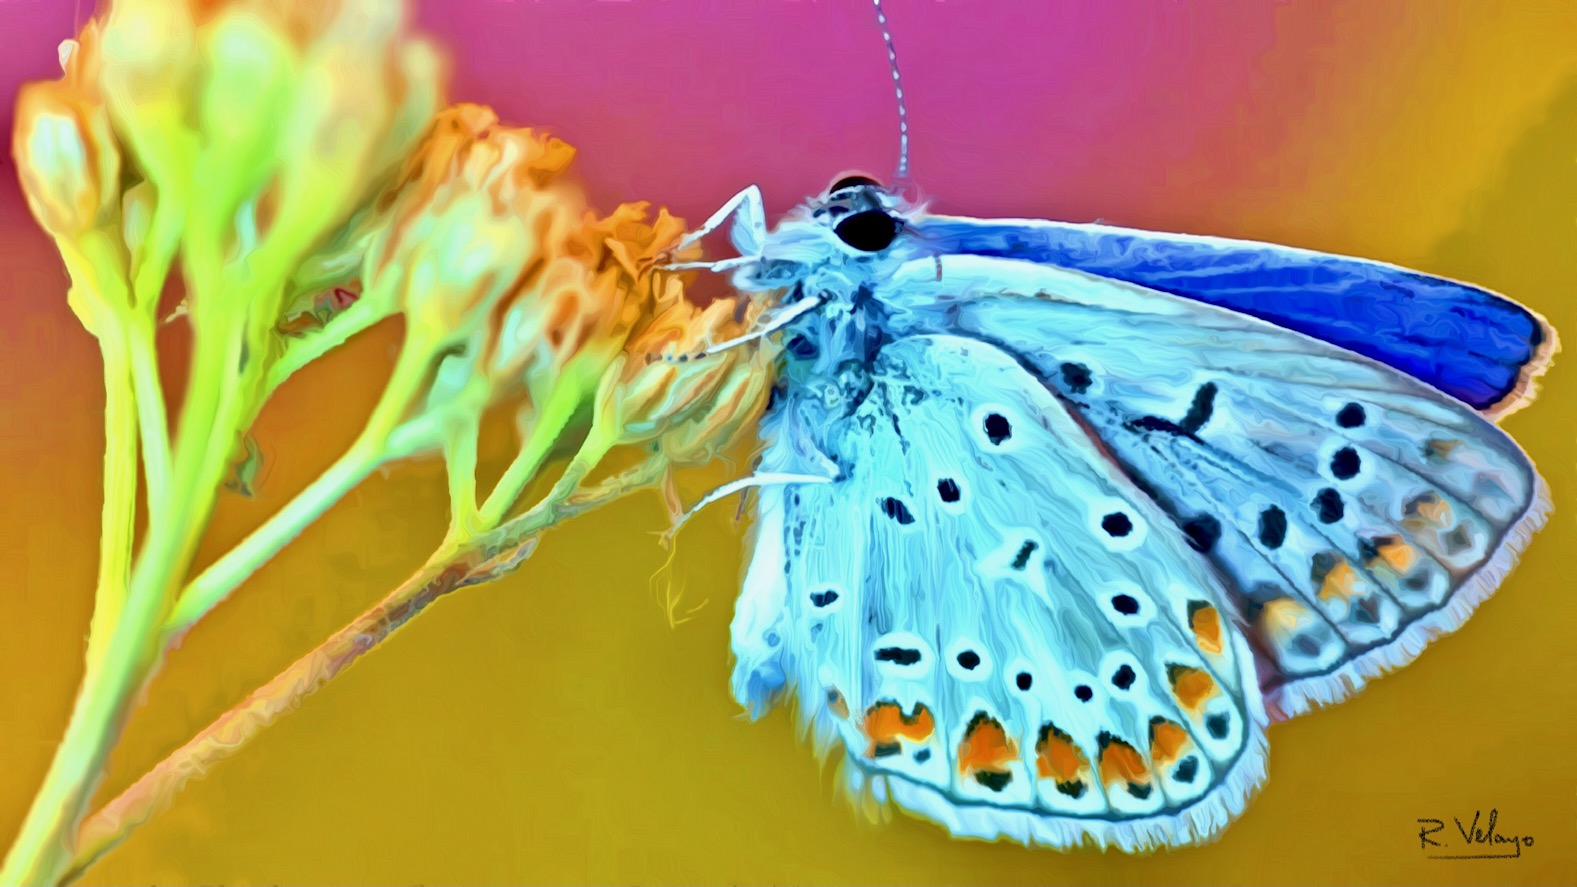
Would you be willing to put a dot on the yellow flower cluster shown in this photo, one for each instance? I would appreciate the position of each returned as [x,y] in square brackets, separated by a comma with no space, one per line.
[290,153]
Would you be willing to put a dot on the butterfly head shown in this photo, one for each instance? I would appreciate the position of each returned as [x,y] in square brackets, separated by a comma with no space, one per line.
[834,241]
[864,217]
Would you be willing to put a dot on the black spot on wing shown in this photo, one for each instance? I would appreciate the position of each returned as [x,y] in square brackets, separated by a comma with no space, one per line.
[969,660]
[898,655]
[998,429]
[1126,604]
[1345,463]
[1123,677]
[947,489]
[1077,377]
[1021,560]
[1117,524]
[1203,532]
[996,780]
[1350,416]
[1328,506]
[1083,693]
[1156,423]
[1272,527]
[897,511]
[1187,770]
[823,598]
[1199,411]
[1024,680]
[1216,725]
[1457,540]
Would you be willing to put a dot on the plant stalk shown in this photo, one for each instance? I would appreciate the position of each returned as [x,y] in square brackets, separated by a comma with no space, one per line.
[493,555]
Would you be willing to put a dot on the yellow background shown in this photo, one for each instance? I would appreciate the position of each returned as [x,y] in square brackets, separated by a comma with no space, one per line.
[553,728]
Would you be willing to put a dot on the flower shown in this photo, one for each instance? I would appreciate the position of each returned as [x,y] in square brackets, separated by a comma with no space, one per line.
[65,149]
[691,403]
[476,215]
[598,286]
[284,115]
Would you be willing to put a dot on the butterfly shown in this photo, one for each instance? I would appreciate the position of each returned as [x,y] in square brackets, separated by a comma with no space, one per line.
[1053,520]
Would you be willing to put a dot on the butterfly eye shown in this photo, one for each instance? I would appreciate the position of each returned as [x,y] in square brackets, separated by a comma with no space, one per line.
[870,231]
[854,181]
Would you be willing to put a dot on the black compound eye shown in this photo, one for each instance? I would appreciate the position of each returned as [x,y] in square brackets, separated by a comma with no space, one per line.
[870,231]
[853,182]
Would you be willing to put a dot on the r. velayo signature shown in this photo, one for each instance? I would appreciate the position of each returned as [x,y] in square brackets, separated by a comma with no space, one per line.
[1475,843]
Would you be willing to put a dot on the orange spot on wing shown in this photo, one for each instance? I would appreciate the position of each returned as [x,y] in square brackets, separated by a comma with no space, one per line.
[1426,511]
[986,747]
[1167,741]
[1394,553]
[886,723]
[1338,581]
[1057,757]
[1193,687]
[1205,622]
[1120,762]
[1438,449]
[1282,617]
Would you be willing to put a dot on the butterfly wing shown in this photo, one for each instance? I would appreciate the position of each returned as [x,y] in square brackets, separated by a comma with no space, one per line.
[1006,634]
[1357,513]
[1473,344]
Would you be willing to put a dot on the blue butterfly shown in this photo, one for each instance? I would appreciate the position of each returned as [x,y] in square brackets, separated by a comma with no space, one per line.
[1055,519]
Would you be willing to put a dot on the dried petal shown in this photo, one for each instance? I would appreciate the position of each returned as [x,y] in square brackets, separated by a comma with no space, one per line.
[731,410]
[669,393]
[473,218]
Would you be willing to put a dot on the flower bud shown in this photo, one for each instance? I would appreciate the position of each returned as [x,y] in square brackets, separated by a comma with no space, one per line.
[245,81]
[148,54]
[67,158]
[350,114]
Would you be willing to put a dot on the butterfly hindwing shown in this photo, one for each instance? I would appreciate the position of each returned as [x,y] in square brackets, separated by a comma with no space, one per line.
[1356,513]
[1008,636]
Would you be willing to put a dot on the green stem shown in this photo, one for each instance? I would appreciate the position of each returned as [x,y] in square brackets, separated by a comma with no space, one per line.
[152,419]
[360,315]
[215,583]
[120,494]
[43,846]
[449,569]
[460,463]
[150,269]
[561,406]
[369,451]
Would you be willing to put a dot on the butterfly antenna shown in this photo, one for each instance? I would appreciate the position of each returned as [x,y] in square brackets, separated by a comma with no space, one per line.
[903,110]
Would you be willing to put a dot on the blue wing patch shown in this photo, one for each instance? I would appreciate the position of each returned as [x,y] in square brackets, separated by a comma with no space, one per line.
[1468,342]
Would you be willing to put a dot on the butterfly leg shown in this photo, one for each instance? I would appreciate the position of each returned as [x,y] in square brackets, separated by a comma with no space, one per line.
[771,478]
[749,233]
[767,328]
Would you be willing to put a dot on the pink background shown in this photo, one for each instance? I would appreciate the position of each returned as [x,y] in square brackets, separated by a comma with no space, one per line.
[554,729]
